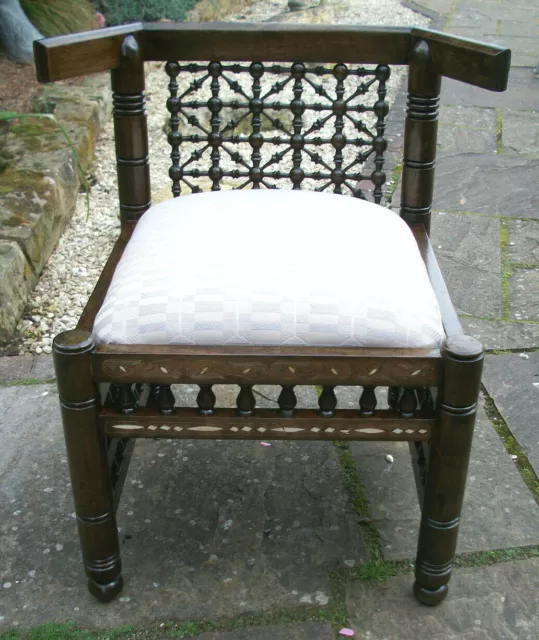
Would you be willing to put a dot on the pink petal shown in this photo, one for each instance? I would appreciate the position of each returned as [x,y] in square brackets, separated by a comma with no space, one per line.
[347,632]
[266,444]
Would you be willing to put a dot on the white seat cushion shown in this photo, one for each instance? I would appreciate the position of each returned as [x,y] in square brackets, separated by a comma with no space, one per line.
[269,267]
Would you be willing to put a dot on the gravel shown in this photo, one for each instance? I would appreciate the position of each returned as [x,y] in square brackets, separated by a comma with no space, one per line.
[75,265]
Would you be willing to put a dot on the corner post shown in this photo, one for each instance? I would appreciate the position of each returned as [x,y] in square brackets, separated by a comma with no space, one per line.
[131,134]
[420,136]
[87,454]
[449,454]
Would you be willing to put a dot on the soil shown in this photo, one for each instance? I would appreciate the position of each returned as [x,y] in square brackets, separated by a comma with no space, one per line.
[18,85]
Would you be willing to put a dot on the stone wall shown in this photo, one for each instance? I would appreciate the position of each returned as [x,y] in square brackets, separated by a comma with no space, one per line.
[39,183]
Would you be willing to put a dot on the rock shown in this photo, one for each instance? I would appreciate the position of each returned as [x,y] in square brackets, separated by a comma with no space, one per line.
[17,33]
[16,280]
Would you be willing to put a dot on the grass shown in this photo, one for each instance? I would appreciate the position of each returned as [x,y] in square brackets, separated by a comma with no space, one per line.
[394,183]
[354,486]
[69,631]
[499,131]
[26,383]
[512,446]
[506,271]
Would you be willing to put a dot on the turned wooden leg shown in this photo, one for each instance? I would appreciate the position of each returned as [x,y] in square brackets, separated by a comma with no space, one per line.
[87,454]
[449,453]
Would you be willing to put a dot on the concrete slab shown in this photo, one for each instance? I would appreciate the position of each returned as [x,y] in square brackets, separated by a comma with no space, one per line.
[512,381]
[523,241]
[207,528]
[498,602]
[498,509]
[298,631]
[498,334]
[468,251]
[495,184]
[466,139]
[520,131]
[525,294]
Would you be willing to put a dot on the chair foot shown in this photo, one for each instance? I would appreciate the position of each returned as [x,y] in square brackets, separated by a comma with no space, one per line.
[105,591]
[430,597]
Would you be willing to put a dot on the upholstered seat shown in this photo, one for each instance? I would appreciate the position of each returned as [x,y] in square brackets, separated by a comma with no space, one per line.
[269,267]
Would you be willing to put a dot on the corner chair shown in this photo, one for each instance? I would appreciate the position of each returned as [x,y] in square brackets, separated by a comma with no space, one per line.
[267,283]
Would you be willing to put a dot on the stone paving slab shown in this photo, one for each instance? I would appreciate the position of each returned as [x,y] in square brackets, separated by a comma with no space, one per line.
[498,511]
[26,367]
[513,28]
[522,92]
[207,528]
[517,12]
[497,334]
[468,251]
[525,294]
[485,603]
[466,140]
[477,117]
[520,131]
[524,50]
[493,184]
[298,631]
[512,381]
[523,241]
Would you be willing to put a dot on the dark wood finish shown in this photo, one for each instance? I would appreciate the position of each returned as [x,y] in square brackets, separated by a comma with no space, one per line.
[450,317]
[309,139]
[287,401]
[450,446]
[367,402]
[484,65]
[306,424]
[266,365]
[470,61]
[139,402]
[408,403]
[123,398]
[420,135]
[79,54]
[246,401]
[119,452]
[88,464]
[162,399]
[131,132]
[206,400]
[327,401]
[87,319]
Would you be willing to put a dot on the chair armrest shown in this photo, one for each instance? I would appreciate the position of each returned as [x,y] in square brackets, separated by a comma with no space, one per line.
[483,65]
[450,318]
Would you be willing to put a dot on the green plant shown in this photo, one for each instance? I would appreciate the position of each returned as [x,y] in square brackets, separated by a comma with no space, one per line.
[55,17]
[122,11]
[13,115]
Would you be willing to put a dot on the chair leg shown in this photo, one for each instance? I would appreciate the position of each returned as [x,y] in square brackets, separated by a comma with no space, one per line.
[87,454]
[448,467]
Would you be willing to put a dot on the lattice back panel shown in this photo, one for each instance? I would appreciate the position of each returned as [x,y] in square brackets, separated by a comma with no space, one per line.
[271,125]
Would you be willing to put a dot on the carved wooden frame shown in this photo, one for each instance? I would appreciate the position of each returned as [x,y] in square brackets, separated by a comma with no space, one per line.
[112,394]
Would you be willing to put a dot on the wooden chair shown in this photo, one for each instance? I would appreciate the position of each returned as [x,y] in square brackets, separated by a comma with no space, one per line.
[112,393]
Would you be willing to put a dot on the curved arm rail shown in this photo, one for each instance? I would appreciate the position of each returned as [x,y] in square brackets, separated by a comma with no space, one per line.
[475,63]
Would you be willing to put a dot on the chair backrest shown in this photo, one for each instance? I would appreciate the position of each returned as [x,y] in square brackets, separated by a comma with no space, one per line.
[276,105]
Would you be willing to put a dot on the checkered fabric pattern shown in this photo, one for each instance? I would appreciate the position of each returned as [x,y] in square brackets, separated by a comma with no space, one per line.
[269,267]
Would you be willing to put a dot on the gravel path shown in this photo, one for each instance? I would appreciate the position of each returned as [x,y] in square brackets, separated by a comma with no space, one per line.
[74,267]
